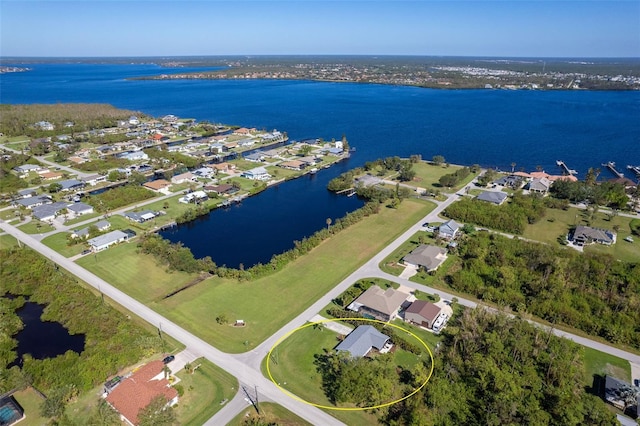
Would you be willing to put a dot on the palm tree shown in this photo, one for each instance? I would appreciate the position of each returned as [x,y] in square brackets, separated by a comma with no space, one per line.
[513,166]
[328,222]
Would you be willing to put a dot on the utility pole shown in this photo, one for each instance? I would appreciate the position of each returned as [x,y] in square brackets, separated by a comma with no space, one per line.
[257,403]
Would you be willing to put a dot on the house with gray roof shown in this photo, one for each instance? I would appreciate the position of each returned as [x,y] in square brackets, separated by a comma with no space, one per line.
[622,395]
[362,340]
[587,235]
[494,197]
[102,225]
[32,202]
[71,184]
[540,186]
[449,229]
[259,173]
[380,304]
[48,212]
[141,217]
[426,256]
[103,242]
[79,209]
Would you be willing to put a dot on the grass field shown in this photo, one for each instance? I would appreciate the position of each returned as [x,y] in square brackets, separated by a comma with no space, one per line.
[204,391]
[268,303]
[428,175]
[7,241]
[270,413]
[557,222]
[36,227]
[600,363]
[136,274]
[30,401]
[292,366]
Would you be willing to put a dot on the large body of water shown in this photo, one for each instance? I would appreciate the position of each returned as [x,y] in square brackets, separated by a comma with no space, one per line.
[492,128]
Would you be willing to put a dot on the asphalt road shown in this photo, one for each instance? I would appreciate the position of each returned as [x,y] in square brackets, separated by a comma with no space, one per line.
[246,366]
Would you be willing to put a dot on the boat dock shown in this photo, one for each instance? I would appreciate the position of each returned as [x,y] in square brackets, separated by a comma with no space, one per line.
[566,168]
[612,167]
[635,169]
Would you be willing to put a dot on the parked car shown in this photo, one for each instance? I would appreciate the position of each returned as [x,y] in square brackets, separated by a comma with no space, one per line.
[168,359]
[86,252]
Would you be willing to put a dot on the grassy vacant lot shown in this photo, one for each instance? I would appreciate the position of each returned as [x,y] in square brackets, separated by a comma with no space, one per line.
[428,175]
[292,366]
[30,401]
[204,391]
[7,241]
[270,413]
[600,363]
[268,303]
[136,274]
[557,222]
[36,227]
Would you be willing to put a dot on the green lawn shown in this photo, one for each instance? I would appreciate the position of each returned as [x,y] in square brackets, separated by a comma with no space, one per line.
[136,274]
[428,175]
[36,227]
[260,303]
[291,365]
[59,243]
[270,413]
[601,363]
[30,401]
[557,223]
[7,241]
[204,392]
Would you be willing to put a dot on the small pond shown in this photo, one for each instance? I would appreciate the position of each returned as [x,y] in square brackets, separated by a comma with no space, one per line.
[43,339]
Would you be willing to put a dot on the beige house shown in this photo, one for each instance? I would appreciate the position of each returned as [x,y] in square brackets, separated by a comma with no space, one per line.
[380,304]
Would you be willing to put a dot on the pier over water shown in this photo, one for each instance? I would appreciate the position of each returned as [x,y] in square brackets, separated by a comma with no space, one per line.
[612,166]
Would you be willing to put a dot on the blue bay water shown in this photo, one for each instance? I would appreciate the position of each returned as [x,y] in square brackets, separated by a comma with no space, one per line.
[492,128]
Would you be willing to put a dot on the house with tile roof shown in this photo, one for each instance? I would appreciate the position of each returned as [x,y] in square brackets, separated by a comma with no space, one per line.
[380,304]
[138,390]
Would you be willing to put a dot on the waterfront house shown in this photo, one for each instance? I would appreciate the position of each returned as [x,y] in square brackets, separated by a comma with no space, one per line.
[584,235]
[362,340]
[50,175]
[224,188]
[494,197]
[259,173]
[422,313]
[141,217]
[293,165]
[187,177]
[71,185]
[449,229]
[380,304]
[226,168]
[255,157]
[93,180]
[136,391]
[427,257]
[193,197]
[540,185]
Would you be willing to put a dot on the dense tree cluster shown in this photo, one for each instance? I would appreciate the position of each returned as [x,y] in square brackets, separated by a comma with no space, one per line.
[9,182]
[510,217]
[119,197]
[452,179]
[591,292]
[173,255]
[111,340]
[345,181]
[496,370]
[18,120]
[605,194]
[174,157]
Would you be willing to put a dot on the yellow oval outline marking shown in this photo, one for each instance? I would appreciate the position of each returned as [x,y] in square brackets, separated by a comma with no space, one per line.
[328,407]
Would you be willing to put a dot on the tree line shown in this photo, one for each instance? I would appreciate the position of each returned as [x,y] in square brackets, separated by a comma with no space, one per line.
[592,292]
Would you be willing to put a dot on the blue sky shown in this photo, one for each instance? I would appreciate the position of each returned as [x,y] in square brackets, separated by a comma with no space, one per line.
[459,28]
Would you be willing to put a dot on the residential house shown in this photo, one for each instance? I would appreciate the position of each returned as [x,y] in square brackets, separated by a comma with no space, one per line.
[426,256]
[159,185]
[141,217]
[422,313]
[48,212]
[45,125]
[256,157]
[77,159]
[224,188]
[204,172]
[259,173]
[380,304]
[34,201]
[362,340]
[51,175]
[26,193]
[449,229]
[79,209]
[587,235]
[622,395]
[102,225]
[133,120]
[193,197]
[93,180]
[138,390]
[243,131]
[103,242]
[217,148]
[246,142]
[25,169]
[540,185]
[71,185]
[133,155]
[293,165]
[226,168]
[183,178]
[494,197]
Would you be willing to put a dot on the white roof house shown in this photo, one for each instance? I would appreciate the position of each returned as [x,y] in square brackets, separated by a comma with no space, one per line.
[103,242]
[259,173]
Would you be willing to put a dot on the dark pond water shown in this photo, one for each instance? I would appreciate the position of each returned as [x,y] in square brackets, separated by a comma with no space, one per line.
[43,339]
